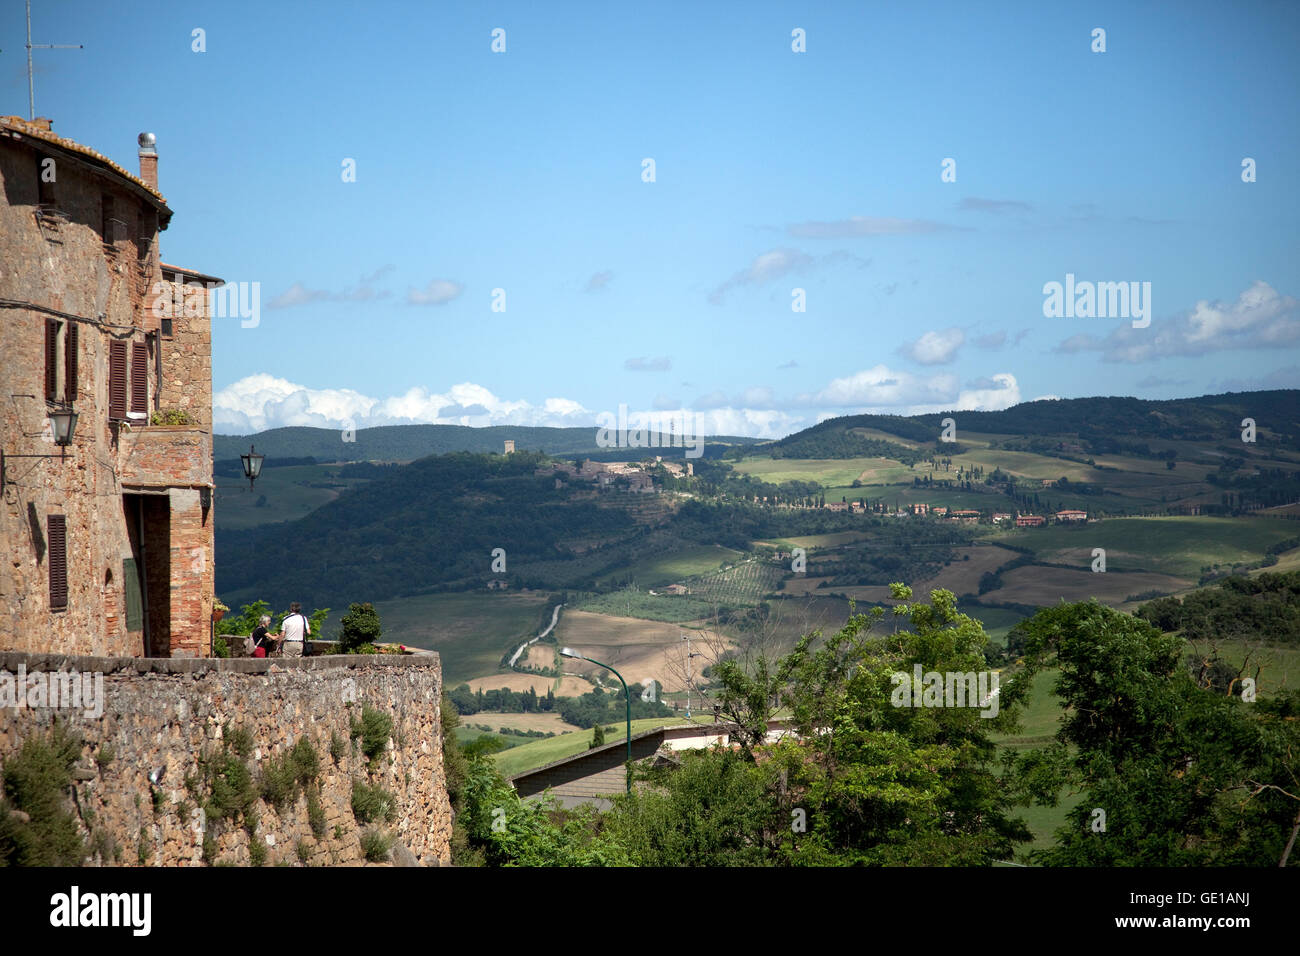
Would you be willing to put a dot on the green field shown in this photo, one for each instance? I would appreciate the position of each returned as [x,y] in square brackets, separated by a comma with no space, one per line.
[832,540]
[686,563]
[1178,546]
[637,603]
[469,631]
[830,472]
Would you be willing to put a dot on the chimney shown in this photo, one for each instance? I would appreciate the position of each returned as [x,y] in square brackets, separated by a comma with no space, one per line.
[44,122]
[148,159]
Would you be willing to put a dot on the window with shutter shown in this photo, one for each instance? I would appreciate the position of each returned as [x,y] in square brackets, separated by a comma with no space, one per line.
[117,380]
[70,365]
[51,360]
[57,533]
[139,378]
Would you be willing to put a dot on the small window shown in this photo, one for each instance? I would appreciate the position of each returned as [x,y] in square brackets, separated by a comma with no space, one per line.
[167,328]
[57,532]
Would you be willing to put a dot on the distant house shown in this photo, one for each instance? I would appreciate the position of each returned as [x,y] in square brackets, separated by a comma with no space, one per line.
[940,510]
[837,506]
[1049,482]
[1030,521]
[1071,515]
[677,589]
[965,516]
[1000,516]
[920,508]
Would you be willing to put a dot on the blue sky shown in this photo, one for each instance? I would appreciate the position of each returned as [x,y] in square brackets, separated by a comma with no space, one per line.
[774,170]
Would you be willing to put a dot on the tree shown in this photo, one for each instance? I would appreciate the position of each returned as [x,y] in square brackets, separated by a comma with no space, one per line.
[1185,776]
[360,626]
[598,735]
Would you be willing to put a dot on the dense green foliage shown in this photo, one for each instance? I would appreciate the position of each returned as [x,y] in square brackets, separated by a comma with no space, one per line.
[1266,606]
[360,626]
[38,784]
[433,522]
[1173,774]
[605,707]
[502,701]
[1109,425]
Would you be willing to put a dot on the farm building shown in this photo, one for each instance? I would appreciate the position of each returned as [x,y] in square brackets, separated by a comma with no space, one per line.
[595,775]
[1030,521]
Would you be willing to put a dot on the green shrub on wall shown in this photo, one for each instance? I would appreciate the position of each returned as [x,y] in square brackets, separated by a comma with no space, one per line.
[37,827]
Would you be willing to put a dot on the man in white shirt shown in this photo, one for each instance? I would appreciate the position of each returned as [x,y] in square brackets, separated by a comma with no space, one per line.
[293,631]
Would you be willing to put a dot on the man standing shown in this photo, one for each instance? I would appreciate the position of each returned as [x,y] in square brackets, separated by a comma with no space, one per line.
[294,631]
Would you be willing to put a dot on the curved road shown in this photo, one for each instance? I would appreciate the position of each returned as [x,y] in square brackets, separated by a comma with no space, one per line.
[524,646]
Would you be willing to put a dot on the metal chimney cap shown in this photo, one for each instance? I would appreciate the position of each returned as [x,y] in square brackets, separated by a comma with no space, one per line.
[147,141]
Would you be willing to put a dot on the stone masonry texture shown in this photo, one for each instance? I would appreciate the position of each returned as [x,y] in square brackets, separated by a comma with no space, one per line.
[161,715]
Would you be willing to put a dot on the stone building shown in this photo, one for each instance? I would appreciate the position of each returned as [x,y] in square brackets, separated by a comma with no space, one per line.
[105,542]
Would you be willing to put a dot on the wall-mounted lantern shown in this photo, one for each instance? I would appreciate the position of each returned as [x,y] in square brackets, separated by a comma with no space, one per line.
[252,465]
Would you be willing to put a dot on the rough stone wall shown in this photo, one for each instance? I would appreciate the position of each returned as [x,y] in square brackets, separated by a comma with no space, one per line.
[165,713]
[96,258]
[187,354]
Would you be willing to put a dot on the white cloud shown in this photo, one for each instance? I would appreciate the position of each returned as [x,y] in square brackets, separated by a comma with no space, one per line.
[766,266]
[881,389]
[1261,318]
[437,292]
[262,401]
[935,348]
[259,402]
[299,294]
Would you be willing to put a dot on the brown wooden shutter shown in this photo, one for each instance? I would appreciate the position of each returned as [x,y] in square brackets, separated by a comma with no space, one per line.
[70,365]
[58,557]
[139,377]
[117,380]
[51,360]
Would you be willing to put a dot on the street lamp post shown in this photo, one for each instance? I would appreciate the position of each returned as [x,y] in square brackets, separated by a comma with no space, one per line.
[627,697]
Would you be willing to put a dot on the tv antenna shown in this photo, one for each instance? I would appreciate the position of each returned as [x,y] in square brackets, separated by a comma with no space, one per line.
[31,86]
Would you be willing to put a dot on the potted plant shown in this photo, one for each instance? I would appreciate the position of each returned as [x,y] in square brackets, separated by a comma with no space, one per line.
[218,609]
